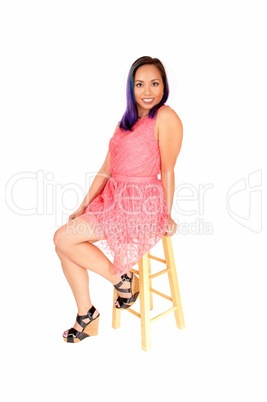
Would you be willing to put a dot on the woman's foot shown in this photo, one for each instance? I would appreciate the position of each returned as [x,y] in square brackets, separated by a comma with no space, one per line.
[125,284]
[86,320]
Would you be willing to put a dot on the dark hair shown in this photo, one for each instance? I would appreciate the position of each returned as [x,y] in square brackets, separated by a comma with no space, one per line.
[131,114]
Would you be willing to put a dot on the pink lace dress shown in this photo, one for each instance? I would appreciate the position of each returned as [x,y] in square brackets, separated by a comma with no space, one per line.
[130,214]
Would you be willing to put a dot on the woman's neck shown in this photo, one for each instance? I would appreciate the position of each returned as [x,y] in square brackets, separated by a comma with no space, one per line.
[141,117]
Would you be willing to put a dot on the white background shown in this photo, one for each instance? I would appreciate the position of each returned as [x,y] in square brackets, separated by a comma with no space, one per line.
[63,76]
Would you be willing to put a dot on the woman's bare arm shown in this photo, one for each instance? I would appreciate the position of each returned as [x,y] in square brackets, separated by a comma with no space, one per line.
[99,181]
[170,142]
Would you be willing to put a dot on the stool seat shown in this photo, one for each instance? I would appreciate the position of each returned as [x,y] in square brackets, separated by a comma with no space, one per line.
[146,290]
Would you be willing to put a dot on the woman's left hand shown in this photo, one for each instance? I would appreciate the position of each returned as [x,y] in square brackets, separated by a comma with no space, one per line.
[171,227]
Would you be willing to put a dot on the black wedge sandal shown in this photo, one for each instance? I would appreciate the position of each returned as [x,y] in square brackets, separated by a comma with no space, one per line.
[134,289]
[89,328]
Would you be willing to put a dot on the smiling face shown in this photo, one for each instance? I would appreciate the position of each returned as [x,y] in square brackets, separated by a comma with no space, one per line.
[148,88]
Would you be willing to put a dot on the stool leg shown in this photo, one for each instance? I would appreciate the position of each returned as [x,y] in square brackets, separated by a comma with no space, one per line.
[116,312]
[174,286]
[150,284]
[144,302]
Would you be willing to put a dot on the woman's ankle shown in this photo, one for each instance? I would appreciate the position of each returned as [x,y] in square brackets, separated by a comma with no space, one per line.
[115,279]
[83,310]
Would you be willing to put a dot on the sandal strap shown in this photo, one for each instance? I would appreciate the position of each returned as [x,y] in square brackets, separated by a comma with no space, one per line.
[118,285]
[77,334]
[124,278]
[89,315]
[125,290]
[123,300]
[91,312]
[80,321]
[74,332]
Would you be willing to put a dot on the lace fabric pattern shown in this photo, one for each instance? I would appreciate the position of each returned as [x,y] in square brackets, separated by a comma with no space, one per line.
[130,215]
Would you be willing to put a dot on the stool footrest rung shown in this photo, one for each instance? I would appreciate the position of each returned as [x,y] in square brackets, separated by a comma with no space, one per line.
[163,314]
[133,312]
[154,318]
[164,271]
[160,294]
[157,258]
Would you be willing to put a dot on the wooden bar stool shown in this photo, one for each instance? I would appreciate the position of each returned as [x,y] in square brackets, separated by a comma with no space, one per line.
[145,293]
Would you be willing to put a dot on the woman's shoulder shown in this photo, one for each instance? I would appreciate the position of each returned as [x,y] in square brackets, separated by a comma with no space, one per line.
[117,128]
[166,112]
[168,118]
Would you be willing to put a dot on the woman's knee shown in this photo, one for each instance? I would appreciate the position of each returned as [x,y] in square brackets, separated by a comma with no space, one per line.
[60,238]
[76,231]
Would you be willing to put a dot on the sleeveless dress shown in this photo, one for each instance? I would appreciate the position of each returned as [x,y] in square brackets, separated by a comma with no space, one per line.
[130,215]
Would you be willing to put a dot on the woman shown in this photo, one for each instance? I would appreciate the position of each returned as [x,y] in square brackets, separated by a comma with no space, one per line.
[127,209]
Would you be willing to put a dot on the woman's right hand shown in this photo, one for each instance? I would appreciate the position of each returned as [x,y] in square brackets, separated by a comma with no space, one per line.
[77,213]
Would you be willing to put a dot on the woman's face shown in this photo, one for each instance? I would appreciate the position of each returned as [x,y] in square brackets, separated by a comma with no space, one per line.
[148,88]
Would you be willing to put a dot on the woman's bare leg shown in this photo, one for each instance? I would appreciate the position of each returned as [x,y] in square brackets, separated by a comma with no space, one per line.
[78,280]
[90,257]
[76,259]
